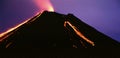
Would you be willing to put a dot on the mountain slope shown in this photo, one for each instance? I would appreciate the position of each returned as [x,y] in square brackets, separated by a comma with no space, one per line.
[54,30]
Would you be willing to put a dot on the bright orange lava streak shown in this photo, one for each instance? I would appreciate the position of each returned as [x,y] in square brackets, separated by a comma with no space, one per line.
[11,29]
[79,33]
[44,5]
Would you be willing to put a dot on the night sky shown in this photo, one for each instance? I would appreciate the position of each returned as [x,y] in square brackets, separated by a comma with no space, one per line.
[104,15]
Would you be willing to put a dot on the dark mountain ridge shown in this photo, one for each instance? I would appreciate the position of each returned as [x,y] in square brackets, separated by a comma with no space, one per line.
[54,30]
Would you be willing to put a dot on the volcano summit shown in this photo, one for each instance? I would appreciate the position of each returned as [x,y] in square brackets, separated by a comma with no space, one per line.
[54,30]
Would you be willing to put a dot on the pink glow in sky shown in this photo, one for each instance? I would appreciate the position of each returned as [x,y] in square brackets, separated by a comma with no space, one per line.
[44,5]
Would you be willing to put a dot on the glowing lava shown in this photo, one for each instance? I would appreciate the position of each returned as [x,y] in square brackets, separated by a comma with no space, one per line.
[5,34]
[44,5]
[79,33]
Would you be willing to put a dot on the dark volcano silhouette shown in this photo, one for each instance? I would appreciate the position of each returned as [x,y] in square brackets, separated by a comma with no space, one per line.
[51,30]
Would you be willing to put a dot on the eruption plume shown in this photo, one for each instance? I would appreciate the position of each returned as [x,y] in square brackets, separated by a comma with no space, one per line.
[44,5]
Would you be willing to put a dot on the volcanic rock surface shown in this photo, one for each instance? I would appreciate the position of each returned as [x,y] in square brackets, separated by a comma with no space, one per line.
[54,30]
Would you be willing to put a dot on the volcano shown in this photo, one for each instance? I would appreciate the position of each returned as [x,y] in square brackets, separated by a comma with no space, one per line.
[55,30]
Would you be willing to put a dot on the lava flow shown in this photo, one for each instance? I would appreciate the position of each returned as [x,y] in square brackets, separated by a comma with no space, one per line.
[79,33]
[4,34]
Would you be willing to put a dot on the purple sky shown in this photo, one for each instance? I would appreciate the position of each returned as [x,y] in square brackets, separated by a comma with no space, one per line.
[104,15]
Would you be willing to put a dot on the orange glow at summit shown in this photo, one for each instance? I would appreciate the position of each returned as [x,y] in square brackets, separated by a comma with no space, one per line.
[44,5]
